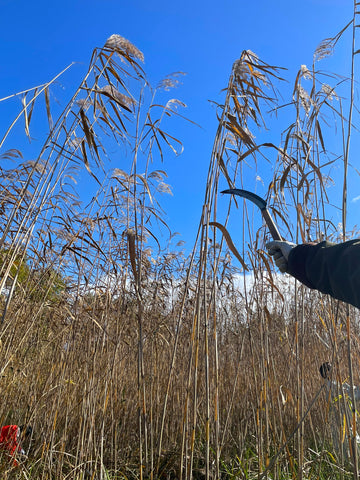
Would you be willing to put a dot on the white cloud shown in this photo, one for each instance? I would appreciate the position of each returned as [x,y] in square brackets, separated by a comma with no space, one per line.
[355,199]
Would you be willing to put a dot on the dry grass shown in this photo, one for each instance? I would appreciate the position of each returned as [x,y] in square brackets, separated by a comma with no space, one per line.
[133,362]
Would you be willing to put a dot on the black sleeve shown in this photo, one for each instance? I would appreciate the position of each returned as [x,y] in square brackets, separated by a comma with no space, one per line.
[330,268]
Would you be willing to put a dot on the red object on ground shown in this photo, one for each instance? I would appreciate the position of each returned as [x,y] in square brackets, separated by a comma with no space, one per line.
[9,441]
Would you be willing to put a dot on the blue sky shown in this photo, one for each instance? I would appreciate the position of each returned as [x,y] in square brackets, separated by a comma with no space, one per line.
[38,39]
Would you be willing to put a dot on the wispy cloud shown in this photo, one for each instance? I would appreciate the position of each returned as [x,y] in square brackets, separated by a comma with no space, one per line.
[355,199]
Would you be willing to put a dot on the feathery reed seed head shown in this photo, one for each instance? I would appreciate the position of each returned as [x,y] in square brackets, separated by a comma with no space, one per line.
[244,67]
[164,188]
[230,137]
[121,44]
[170,81]
[329,91]
[239,68]
[83,103]
[174,103]
[305,72]
[251,56]
[75,142]
[304,98]
[325,49]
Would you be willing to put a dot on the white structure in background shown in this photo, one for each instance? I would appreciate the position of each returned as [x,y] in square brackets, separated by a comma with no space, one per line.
[340,410]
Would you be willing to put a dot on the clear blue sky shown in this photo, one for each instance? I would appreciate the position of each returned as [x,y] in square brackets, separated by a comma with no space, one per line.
[202,38]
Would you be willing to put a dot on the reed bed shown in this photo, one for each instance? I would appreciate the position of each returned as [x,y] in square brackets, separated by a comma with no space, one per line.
[133,360]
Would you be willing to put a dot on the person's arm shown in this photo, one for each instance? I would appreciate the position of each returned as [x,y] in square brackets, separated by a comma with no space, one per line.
[330,268]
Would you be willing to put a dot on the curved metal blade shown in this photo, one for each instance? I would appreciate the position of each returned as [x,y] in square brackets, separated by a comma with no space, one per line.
[260,202]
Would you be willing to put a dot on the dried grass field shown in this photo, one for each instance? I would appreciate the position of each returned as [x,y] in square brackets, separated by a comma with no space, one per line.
[132,359]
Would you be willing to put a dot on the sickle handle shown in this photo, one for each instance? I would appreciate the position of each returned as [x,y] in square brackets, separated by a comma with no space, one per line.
[271,224]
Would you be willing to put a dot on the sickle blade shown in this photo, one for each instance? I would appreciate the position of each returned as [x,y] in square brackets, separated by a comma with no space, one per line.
[260,202]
